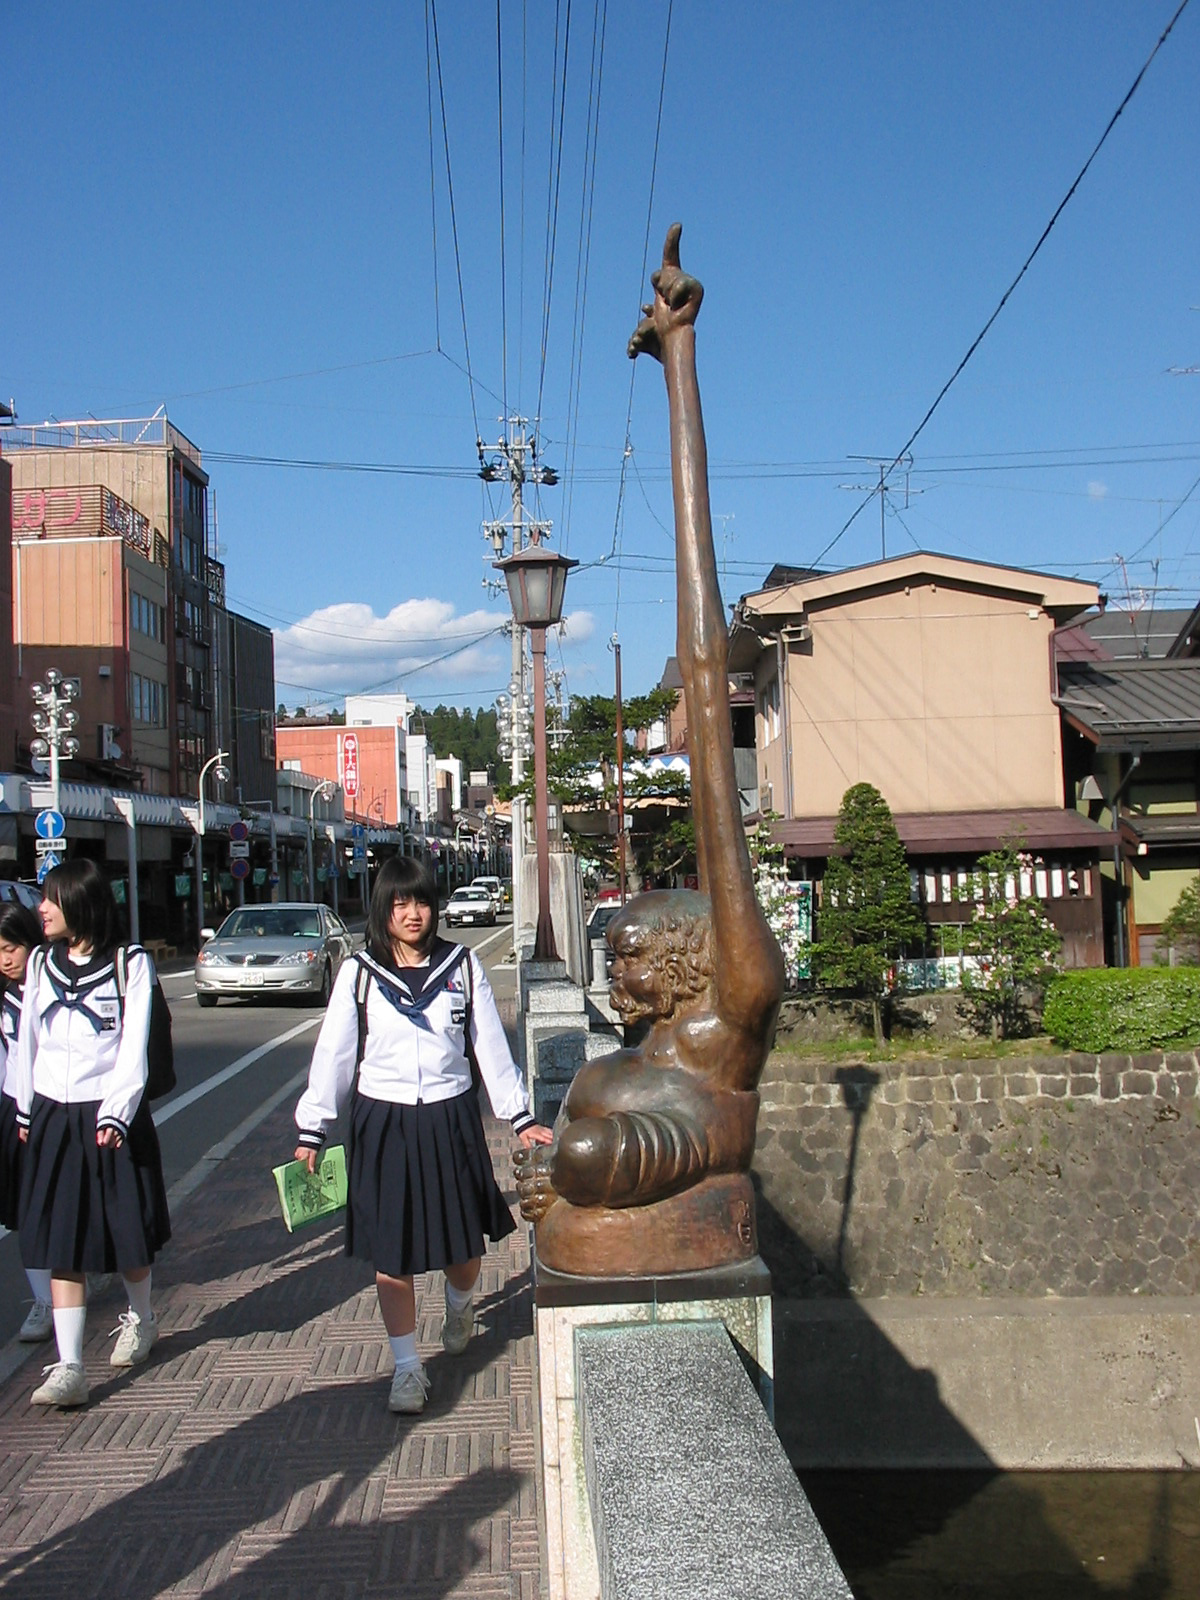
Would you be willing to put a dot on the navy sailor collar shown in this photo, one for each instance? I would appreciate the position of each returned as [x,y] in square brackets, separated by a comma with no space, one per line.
[81,976]
[443,960]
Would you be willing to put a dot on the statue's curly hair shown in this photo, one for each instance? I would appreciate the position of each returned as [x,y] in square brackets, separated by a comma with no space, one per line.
[677,939]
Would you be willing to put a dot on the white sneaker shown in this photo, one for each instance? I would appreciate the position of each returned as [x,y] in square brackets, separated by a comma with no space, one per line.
[135,1340]
[457,1329]
[38,1325]
[410,1386]
[66,1385]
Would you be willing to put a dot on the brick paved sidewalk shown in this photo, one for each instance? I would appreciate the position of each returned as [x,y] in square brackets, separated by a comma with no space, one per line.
[254,1456]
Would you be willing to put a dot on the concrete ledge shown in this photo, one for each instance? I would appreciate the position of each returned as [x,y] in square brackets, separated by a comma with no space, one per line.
[1014,1383]
[690,1492]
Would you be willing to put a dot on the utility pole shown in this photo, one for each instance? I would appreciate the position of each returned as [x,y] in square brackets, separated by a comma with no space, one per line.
[514,460]
[616,650]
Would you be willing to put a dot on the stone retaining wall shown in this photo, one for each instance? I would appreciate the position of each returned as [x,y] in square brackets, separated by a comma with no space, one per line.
[1036,1175]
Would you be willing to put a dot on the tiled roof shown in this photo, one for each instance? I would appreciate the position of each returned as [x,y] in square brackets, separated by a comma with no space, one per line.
[935,833]
[1134,635]
[1121,703]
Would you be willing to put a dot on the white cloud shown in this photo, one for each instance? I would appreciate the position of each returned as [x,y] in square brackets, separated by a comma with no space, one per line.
[577,627]
[343,649]
[1097,490]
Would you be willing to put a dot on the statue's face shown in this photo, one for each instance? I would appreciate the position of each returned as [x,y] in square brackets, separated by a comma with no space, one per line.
[637,990]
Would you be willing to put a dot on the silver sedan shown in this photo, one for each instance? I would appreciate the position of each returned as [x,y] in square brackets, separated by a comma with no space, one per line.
[290,949]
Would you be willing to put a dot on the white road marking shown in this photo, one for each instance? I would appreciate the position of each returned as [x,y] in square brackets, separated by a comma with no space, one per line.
[190,1096]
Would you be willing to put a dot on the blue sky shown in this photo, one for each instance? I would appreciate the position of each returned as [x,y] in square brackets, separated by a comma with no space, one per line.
[227,210]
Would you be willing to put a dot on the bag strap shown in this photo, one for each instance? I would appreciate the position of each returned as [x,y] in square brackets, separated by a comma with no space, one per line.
[121,973]
[362,982]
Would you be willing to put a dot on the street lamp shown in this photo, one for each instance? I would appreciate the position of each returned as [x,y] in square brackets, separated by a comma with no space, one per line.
[326,790]
[52,722]
[537,581]
[217,761]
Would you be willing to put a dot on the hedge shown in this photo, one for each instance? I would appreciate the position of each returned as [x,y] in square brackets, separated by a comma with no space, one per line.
[1137,1008]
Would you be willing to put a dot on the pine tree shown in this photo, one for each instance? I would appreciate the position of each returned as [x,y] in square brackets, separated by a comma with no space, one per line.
[867,915]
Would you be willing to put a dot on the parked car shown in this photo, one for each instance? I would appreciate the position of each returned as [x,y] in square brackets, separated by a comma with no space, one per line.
[470,904]
[289,949]
[597,924]
[24,894]
[492,885]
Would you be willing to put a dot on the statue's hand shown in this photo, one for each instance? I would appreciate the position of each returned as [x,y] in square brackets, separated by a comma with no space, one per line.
[534,1188]
[676,301]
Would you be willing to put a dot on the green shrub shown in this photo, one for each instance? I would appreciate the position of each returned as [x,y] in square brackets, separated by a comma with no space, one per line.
[1132,1009]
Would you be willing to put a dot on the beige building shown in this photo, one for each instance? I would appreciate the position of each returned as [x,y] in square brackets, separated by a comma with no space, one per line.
[61,474]
[930,677]
[90,597]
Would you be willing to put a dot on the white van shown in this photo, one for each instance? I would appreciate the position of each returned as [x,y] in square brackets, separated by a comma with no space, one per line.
[492,885]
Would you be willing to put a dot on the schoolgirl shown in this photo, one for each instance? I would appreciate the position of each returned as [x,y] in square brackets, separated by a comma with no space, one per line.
[92,1192]
[20,932]
[422,1193]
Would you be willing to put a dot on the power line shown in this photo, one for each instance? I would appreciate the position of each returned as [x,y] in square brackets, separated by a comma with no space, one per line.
[503,255]
[587,202]
[553,190]
[1045,234]
[627,450]
[437,314]
[462,299]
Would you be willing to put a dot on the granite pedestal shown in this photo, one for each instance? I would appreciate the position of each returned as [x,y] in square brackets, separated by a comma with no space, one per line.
[737,1298]
[690,1492]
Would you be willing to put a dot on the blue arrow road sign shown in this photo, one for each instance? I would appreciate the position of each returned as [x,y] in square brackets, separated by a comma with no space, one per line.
[49,824]
[45,865]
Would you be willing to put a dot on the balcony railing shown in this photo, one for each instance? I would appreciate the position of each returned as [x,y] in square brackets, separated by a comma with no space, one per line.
[121,433]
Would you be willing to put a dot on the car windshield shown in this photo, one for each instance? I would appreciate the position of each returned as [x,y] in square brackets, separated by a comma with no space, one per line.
[470,894]
[271,922]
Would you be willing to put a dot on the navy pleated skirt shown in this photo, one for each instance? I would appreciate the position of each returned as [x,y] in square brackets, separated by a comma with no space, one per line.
[422,1193]
[11,1151]
[84,1209]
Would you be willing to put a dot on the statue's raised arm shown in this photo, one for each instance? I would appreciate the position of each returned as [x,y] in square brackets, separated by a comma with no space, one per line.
[747,964]
[649,1170]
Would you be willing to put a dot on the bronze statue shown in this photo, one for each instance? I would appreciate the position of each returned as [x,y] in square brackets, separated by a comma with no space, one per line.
[648,1172]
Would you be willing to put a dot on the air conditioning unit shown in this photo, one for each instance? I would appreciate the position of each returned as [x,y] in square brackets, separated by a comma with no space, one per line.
[796,632]
[109,749]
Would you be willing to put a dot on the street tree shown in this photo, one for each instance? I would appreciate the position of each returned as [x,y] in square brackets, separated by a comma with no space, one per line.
[1009,942]
[867,915]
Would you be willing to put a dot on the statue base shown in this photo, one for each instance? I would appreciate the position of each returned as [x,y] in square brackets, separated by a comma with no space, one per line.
[736,1294]
[710,1225]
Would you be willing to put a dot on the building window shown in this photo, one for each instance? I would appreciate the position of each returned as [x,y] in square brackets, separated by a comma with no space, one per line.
[146,616]
[149,701]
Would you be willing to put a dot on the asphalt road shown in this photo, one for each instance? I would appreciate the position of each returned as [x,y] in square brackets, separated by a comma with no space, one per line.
[229,1059]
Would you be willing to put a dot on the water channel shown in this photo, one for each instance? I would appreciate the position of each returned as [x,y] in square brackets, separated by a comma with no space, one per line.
[1013,1536]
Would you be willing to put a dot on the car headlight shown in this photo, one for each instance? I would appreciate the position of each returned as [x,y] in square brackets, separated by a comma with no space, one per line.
[210,958]
[300,958]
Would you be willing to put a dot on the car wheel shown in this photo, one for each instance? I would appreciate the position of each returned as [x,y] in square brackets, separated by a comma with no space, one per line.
[326,987]
[206,999]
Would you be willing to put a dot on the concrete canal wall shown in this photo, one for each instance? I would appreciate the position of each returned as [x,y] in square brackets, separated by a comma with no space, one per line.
[979,1261]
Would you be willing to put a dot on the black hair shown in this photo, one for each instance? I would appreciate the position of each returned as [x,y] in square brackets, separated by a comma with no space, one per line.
[84,896]
[401,878]
[19,925]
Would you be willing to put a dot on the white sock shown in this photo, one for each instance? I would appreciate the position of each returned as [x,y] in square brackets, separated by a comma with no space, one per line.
[404,1349]
[460,1299]
[139,1297]
[68,1333]
[39,1282]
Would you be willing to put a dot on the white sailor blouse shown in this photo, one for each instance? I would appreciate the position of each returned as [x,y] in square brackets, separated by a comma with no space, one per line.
[73,1044]
[415,1045]
[10,1024]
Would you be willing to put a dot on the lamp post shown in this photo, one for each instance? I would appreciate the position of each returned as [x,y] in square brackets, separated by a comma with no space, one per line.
[222,774]
[52,722]
[537,581]
[324,790]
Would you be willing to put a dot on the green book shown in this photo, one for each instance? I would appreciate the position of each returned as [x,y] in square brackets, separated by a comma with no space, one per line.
[304,1196]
